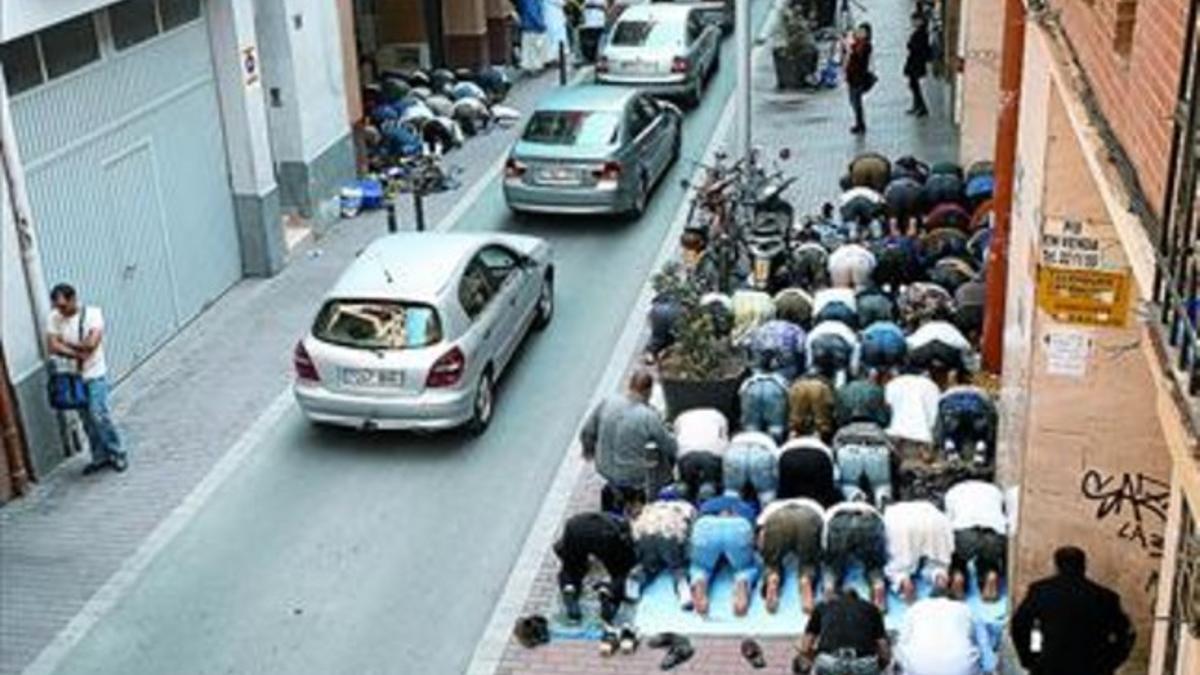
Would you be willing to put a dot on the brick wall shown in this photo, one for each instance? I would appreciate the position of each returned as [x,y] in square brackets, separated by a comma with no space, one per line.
[1131,51]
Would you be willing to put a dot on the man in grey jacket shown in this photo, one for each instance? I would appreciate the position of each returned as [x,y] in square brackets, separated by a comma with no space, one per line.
[630,444]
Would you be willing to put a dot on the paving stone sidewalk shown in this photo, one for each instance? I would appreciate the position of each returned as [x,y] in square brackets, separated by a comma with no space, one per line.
[815,126]
[179,412]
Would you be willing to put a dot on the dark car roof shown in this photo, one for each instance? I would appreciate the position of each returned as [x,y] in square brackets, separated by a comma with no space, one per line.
[587,97]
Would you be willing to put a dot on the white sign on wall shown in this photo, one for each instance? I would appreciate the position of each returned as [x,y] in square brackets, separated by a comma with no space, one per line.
[1067,353]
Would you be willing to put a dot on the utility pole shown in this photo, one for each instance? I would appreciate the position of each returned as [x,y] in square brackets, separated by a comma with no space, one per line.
[743,46]
[1007,129]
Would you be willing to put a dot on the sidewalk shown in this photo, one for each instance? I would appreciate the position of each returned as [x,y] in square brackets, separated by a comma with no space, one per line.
[815,126]
[181,411]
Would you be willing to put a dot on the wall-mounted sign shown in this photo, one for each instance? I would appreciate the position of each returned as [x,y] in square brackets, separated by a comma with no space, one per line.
[250,65]
[1067,352]
[1065,243]
[1083,296]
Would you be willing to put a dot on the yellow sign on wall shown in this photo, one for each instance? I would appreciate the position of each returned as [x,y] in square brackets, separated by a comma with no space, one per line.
[1084,296]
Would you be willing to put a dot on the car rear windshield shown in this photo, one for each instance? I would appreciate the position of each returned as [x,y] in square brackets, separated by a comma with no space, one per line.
[378,324]
[573,127]
[646,34]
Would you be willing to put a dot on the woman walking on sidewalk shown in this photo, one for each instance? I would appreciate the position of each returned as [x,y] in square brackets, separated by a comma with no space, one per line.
[916,66]
[859,78]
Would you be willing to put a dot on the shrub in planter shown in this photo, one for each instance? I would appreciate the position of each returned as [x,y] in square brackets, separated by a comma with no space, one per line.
[795,52]
[701,368]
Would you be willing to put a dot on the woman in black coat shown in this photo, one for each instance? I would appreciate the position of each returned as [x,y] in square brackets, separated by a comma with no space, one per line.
[916,66]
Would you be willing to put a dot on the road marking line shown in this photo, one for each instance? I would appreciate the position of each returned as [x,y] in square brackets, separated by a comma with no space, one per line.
[117,585]
[490,649]
[51,657]
[492,174]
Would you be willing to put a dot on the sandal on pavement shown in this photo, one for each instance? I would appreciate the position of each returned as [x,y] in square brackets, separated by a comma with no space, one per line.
[752,652]
[662,640]
[610,642]
[679,653]
[629,640]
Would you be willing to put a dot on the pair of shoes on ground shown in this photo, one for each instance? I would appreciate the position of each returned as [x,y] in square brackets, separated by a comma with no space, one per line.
[623,640]
[679,649]
[919,112]
[118,463]
[532,631]
[752,652]
[858,130]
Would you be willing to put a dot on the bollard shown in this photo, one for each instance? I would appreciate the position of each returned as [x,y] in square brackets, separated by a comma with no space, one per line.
[419,208]
[393,228]
[562,63]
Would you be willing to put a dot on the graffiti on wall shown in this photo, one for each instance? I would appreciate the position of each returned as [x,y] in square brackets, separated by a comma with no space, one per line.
[1137,503]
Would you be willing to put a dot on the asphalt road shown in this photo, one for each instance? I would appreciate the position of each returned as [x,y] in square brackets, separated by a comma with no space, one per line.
[344,552]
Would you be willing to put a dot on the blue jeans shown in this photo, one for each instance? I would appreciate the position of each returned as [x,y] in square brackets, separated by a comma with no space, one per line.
[856,462]
[729,537]
[101,431]
[751,465]
[764,399]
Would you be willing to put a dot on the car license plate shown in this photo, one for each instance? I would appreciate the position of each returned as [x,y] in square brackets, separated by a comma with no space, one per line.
[638,67]
[762,269]
[559,174]
[370,377]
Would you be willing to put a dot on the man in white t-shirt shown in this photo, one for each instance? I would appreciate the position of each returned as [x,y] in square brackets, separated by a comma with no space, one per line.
[76,335]
[940,637]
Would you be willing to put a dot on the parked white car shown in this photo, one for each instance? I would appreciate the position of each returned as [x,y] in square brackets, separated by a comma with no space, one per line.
[664,49]
[417,331]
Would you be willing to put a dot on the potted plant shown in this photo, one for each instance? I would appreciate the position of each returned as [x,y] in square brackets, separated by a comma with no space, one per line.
[701,368]
[795,51]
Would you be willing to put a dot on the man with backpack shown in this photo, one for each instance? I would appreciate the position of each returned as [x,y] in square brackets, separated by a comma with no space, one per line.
[75,338]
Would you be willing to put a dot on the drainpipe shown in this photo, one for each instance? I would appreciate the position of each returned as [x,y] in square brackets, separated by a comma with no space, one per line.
[10,432]
[1005,163]
[31,262]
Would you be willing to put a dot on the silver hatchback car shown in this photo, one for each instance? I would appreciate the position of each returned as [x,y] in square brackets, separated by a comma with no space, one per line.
[666,49]
[592,149]
[416,332]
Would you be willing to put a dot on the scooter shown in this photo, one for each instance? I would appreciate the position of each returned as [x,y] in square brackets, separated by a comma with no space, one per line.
[768,239]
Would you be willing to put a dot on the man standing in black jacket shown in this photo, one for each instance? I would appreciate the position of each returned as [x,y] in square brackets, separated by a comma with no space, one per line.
[916,65]
[1070,625]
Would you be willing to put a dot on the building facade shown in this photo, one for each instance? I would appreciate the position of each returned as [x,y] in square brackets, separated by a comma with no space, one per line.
[154,148]
[1098,430]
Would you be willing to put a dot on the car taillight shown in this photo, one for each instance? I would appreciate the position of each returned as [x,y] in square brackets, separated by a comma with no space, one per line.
[607,172]
[679,65]
[602,64]
[447,370]
[305,370]
[513,168]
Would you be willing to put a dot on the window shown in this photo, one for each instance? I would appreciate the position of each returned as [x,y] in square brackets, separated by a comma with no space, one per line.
[69,46]
[132,21]
[378,324]
[695,27]
[22,67]
[474,291]
[499,263]
[573,127]
[646,34]
[640,117]
[175,13]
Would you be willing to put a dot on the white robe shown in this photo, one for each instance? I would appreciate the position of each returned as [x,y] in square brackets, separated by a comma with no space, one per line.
[556,29]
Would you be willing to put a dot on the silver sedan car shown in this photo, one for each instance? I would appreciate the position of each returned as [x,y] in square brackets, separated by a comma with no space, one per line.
[667,49]
[592,149]
[417,331]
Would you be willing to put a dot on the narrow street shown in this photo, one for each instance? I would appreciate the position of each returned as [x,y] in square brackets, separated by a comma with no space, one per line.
[342,552]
